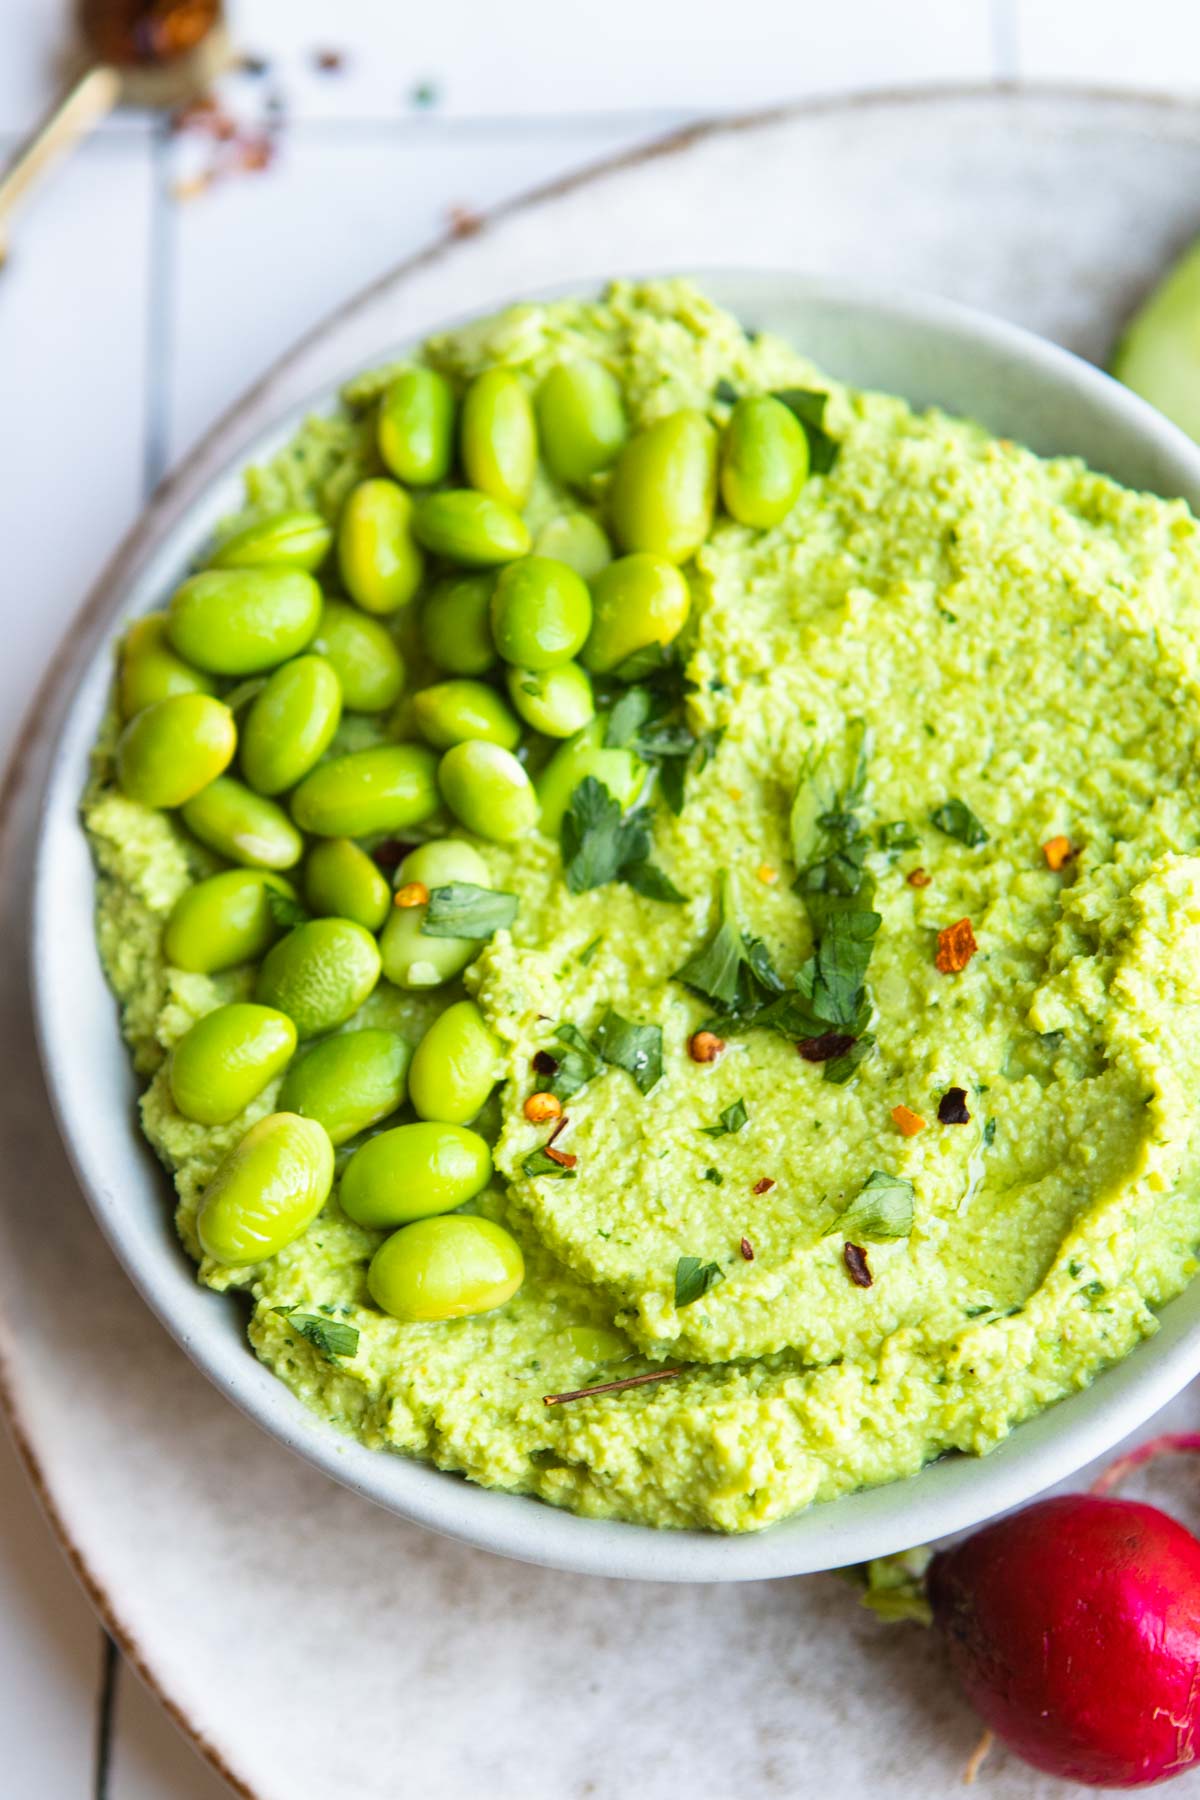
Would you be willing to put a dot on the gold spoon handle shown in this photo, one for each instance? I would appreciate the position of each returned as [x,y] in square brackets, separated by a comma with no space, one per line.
[83,105]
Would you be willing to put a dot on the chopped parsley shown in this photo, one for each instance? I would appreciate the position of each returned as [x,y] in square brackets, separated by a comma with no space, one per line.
[540,1162]
[462,910]
[956,819]
[579,1063]
[731,970]
[732,1119]
[883,1209]
[715,1176]
[329,1336]
[600,844]
[826,1005]
[635,1048]
[646,878]
[809,405]
[650,719]
[693,1279]
[285,912]
[839,1069]
[898,835]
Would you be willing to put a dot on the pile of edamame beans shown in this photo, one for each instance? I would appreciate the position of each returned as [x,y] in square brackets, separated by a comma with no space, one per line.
[251,668]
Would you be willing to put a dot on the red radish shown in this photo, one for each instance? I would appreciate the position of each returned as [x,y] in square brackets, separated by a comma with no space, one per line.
[1074,1628]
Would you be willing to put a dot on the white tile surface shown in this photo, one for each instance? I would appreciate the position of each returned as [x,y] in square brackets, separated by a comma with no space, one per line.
[31,38]
[338,208]
[74,318]
[49,1652]
[150,1760]
[541,56]
[126,325]
[1154,44]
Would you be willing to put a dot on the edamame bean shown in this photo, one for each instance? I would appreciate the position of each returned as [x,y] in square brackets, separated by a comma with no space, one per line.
[242,826]
[455,1066]
[445,1268]
[498,438]
[319,974]
[173,749]
[367,792]
[664,487]
[764,461]
[488,790]
[637,601]
[363,655]
[267,1192]
[296,539]
[348,1082]
[342,882]
[558,702]
[380,560]
[456,626]
[470,528]
[226,1060]
[576,539]
[453,711]
[412,1172]
[224,920]
[541,612]
[243,621]
[416,427]
[411,959]
[620,771]
[597,1343]
[290,724]
[581,421]
[150,669]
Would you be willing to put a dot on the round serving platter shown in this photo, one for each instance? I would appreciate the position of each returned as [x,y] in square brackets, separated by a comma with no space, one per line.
[270,1608]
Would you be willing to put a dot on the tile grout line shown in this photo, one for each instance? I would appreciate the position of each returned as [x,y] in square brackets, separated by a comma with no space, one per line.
[1006,40]
[106,1706]
[161,282]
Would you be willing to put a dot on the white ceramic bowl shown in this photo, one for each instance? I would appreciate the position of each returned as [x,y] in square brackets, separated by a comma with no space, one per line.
[925,349]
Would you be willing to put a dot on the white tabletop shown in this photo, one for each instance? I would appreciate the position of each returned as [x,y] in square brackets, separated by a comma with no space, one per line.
[135,308]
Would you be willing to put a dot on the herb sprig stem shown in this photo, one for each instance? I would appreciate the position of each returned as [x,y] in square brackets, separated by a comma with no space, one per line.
[610,1387]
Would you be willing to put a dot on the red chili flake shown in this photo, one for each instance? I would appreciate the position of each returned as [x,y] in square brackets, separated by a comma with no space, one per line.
[956,947]
[909,1123]
[329,62]
[559,1127]
[255,153]
[764,1186]
[952,1107]
[464,222]
[564,1158]
[825,1047]
[918,878]
[1058,852]
[197,115]
[747,1249]
[391,853]
[544,1064]
[855,1258]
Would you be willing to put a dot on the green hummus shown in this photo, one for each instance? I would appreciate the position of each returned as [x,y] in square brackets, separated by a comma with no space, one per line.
[1017,634]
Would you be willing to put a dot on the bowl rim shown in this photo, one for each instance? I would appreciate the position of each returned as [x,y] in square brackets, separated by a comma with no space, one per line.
[940,1499]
